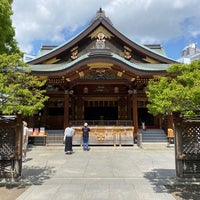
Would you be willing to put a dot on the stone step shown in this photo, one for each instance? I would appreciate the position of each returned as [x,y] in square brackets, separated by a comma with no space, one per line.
[153,135]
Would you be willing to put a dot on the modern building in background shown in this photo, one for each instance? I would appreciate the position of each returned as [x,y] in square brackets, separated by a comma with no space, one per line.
[189,54]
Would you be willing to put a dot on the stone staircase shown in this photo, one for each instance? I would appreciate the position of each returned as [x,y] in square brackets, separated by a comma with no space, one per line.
[55,137]
[153,135]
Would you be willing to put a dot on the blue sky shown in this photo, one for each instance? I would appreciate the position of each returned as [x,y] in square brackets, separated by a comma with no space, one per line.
[172,23]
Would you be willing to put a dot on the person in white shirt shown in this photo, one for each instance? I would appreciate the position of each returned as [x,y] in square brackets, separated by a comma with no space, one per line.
[25,141]
[68,135]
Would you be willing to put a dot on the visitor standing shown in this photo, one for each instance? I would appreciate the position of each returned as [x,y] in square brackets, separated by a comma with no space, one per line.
[85,131]
[68,135]
[25,141]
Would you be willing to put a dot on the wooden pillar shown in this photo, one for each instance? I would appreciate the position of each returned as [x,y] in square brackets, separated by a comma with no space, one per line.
[179,126]
[18,145]
[129,107]
[135,114]
[66,109]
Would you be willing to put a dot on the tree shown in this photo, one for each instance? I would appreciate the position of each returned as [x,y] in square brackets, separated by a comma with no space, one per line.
[177,92]
[8,44]
[20,92]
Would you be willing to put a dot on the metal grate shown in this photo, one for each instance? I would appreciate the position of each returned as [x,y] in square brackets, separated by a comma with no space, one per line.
[55,138]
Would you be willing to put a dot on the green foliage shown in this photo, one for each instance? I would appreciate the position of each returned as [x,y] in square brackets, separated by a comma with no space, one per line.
[8,44]
[178,92]
[20,92]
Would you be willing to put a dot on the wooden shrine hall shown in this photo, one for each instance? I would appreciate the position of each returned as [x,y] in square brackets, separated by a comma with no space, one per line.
[98,77]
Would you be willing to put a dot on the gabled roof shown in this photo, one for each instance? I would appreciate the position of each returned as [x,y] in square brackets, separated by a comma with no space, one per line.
[150,52]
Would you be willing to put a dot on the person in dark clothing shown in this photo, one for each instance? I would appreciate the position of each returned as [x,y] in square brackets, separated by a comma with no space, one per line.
[68,135]
[85,131]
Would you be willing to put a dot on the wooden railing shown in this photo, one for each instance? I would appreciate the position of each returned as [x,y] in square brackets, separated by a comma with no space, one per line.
[106,135]
[99,135]
[103,122]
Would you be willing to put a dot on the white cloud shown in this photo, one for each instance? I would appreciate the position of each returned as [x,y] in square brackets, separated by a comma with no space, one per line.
[145,21]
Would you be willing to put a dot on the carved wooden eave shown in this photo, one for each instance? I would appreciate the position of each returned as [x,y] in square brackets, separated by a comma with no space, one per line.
[91,64]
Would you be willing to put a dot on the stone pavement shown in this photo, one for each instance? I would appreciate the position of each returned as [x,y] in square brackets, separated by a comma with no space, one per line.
[103,173]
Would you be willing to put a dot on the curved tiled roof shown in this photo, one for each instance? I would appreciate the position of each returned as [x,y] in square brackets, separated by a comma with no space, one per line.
[64,66]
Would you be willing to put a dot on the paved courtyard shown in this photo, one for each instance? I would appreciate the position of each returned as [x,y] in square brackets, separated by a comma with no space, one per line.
[103,173]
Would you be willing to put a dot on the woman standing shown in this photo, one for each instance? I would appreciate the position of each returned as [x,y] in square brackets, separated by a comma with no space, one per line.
[68,135]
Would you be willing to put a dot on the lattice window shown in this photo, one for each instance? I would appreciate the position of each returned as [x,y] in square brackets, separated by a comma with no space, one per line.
[7,142]
[7,148]
[191,141]
[191,149]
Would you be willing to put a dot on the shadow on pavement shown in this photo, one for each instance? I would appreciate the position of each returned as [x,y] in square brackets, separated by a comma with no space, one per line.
[186,192]
[36,175]
[164,181]
[30,176]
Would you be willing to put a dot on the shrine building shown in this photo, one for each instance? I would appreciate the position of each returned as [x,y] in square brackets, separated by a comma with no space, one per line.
[98,77]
